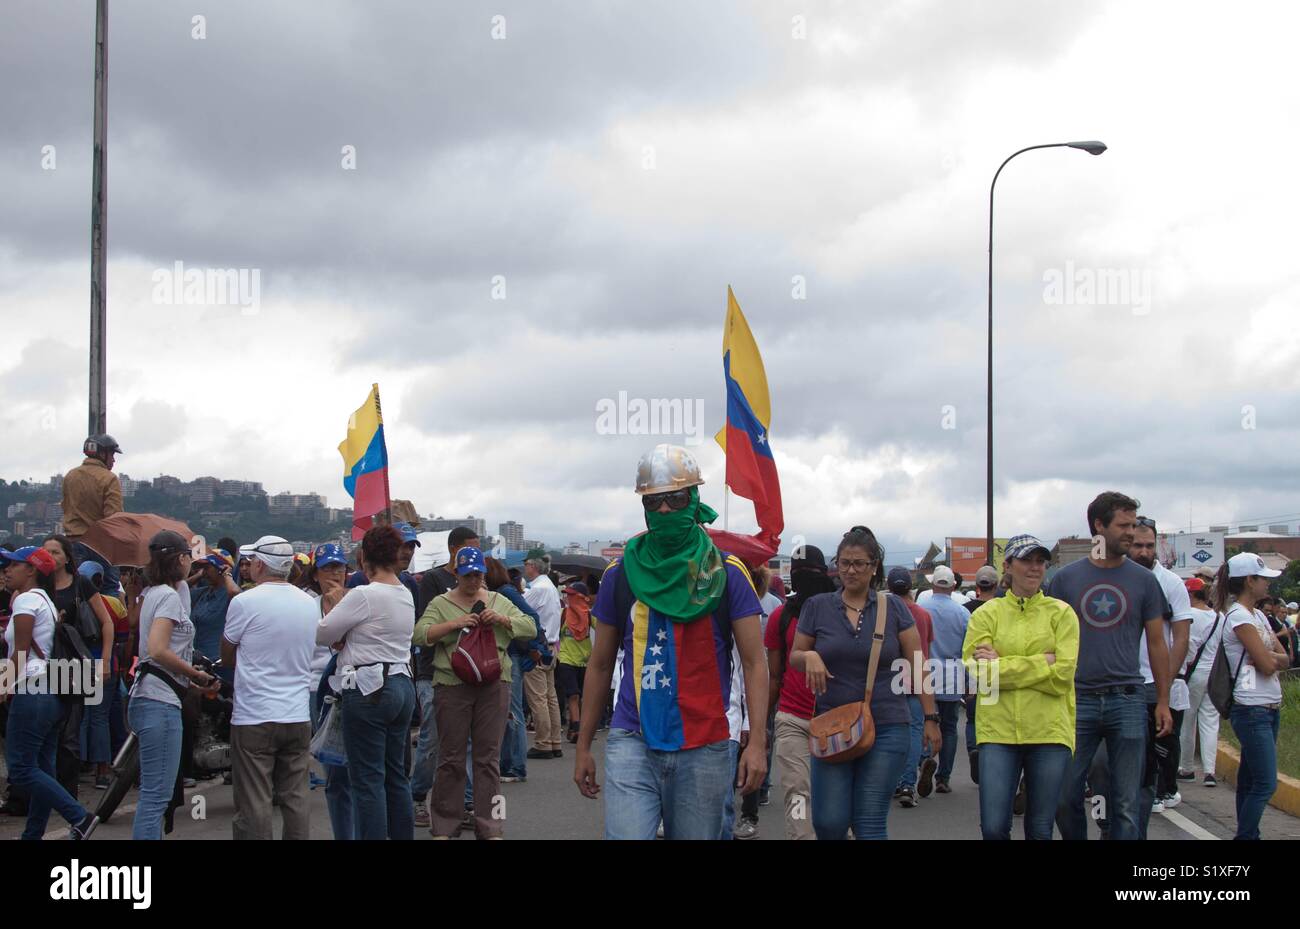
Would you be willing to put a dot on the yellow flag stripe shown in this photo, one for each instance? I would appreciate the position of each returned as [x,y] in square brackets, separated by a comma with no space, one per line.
[362,426]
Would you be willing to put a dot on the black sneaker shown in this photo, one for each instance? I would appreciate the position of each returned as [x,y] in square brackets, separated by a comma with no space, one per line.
[83,829]
[1185,775]
[925,782]
[764,797]
[898,793]
[1210,781]
[536,754]
[907,797]
[557,754]
[975,767]
[941,786]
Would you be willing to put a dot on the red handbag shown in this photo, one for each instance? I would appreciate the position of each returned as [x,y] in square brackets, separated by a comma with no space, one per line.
[475,659]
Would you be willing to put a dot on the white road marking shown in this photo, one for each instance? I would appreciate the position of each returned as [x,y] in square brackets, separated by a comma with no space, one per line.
[1191,828]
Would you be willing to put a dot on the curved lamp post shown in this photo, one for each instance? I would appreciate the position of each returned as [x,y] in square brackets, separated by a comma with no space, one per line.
[1092,148]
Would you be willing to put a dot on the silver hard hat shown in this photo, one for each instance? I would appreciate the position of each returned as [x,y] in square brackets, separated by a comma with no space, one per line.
[666,468]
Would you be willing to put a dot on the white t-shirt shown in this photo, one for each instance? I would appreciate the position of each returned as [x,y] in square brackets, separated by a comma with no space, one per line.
[274,626]
[1180,602]
[736,714]
[1253,688]
[36,604]
[542,596]
[769,602]
[320,658]
[1203,625]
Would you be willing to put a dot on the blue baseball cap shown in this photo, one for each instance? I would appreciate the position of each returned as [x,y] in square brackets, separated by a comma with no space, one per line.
[1022,546]
[90,570]
[329,554]
[408,532]
[469,560]
[899,580]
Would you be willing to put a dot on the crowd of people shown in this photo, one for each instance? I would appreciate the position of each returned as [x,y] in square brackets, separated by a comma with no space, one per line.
[1083,697]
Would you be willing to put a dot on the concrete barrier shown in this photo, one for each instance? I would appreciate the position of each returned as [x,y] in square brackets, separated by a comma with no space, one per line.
[1287,796]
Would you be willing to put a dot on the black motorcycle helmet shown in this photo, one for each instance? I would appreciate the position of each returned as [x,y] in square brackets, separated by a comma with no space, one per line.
[97,446]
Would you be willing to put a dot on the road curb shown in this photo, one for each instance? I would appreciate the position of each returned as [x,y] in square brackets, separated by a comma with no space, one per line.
[1287,796]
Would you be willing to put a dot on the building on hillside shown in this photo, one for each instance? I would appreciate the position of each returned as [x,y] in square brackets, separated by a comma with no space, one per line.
[129,487]
[15,509]
[527,545]
[165,483]
[575,548]
[299,505]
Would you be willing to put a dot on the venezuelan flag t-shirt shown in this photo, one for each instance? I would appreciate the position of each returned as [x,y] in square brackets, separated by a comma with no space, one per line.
[676,683]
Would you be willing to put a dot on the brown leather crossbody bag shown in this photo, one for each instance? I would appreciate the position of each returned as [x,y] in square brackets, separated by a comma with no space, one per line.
[848,732]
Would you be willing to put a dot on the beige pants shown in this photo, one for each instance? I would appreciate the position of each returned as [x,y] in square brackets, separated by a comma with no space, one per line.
[539,686]
[266,758]
[466,712]
[794,770]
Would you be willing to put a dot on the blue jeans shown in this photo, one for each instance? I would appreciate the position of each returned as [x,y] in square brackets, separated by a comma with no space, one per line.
[426,749]
[858,793]
[1045,767]
[948,731]
[375,735]
[158,727]
[514,747]
[686,789]
[31,744]
[1256,728]
[117,730]
[112,579]
[729,809]
[1120,720]
[96,746]
[338,801]
[916,734]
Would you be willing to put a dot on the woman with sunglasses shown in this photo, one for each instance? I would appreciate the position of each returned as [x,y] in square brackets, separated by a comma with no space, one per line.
[1021,649]
[832,648]
[1255,659]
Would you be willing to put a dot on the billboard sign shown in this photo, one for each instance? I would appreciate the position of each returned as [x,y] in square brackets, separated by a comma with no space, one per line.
[1190,551]
[966,555]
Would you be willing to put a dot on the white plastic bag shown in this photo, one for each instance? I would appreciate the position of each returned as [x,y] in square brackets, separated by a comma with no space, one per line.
[327,743]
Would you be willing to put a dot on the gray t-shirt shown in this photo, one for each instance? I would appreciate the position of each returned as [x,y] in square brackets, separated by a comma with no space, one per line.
[164,603]
[1113,605]
[847,654]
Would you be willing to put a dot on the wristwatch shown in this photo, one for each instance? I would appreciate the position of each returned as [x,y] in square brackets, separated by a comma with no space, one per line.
[931,717]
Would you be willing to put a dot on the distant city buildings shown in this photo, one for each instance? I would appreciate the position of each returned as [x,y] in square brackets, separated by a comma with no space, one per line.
[513,533]
[442,524]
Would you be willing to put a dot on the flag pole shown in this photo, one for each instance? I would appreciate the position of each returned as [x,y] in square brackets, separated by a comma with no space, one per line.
[386,517]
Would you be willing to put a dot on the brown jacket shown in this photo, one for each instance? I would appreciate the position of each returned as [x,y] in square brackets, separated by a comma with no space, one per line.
[90,492]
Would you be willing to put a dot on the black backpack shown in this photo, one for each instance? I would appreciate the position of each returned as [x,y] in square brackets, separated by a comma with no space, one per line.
[1222,682]
[68,646]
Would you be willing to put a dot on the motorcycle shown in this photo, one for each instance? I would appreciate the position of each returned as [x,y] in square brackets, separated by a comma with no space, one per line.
[210,746]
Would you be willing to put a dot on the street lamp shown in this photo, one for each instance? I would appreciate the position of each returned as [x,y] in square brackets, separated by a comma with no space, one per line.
[1092,148]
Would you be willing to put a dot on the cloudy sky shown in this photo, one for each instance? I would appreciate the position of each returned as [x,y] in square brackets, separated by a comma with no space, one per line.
[542,210]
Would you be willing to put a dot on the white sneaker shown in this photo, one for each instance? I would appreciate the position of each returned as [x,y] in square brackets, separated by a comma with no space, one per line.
[1172,800]
[1158,806]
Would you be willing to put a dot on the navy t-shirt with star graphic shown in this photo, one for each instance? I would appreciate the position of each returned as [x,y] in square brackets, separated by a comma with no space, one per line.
[1113,605]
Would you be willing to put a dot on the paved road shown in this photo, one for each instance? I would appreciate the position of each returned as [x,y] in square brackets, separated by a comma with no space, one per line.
[548,806]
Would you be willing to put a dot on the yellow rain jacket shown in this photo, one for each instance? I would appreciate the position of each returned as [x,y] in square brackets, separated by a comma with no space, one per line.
[1022,699]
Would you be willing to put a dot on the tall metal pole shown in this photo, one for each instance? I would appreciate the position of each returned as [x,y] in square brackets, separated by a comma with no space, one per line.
[98,221]
[1092,148]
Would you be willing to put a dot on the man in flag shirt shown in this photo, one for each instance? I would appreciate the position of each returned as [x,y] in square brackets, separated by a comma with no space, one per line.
[675,604]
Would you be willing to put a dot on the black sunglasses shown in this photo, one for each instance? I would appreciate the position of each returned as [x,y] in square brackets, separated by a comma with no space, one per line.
[1146,521]
[676,500]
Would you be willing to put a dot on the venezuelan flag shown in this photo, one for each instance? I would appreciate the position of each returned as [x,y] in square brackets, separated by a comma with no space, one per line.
[365,464]
[751,469]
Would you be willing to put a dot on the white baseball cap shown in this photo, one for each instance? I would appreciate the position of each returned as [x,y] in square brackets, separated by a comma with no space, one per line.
[1248,564]
[942,577]
[276,553]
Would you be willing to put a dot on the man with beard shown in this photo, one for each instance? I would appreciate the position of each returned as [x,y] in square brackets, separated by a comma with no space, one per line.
[675,604]
[1116,600]
[1160,783]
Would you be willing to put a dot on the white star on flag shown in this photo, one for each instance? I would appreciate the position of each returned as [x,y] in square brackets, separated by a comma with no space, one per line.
[656,649]
[762,439]
[663,636]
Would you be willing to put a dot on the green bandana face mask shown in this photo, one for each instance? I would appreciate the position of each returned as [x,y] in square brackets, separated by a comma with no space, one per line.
[675,568]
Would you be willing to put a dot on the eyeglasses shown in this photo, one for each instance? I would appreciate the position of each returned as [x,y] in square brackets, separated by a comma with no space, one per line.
[1146,521]
[855,565]
[676,500]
